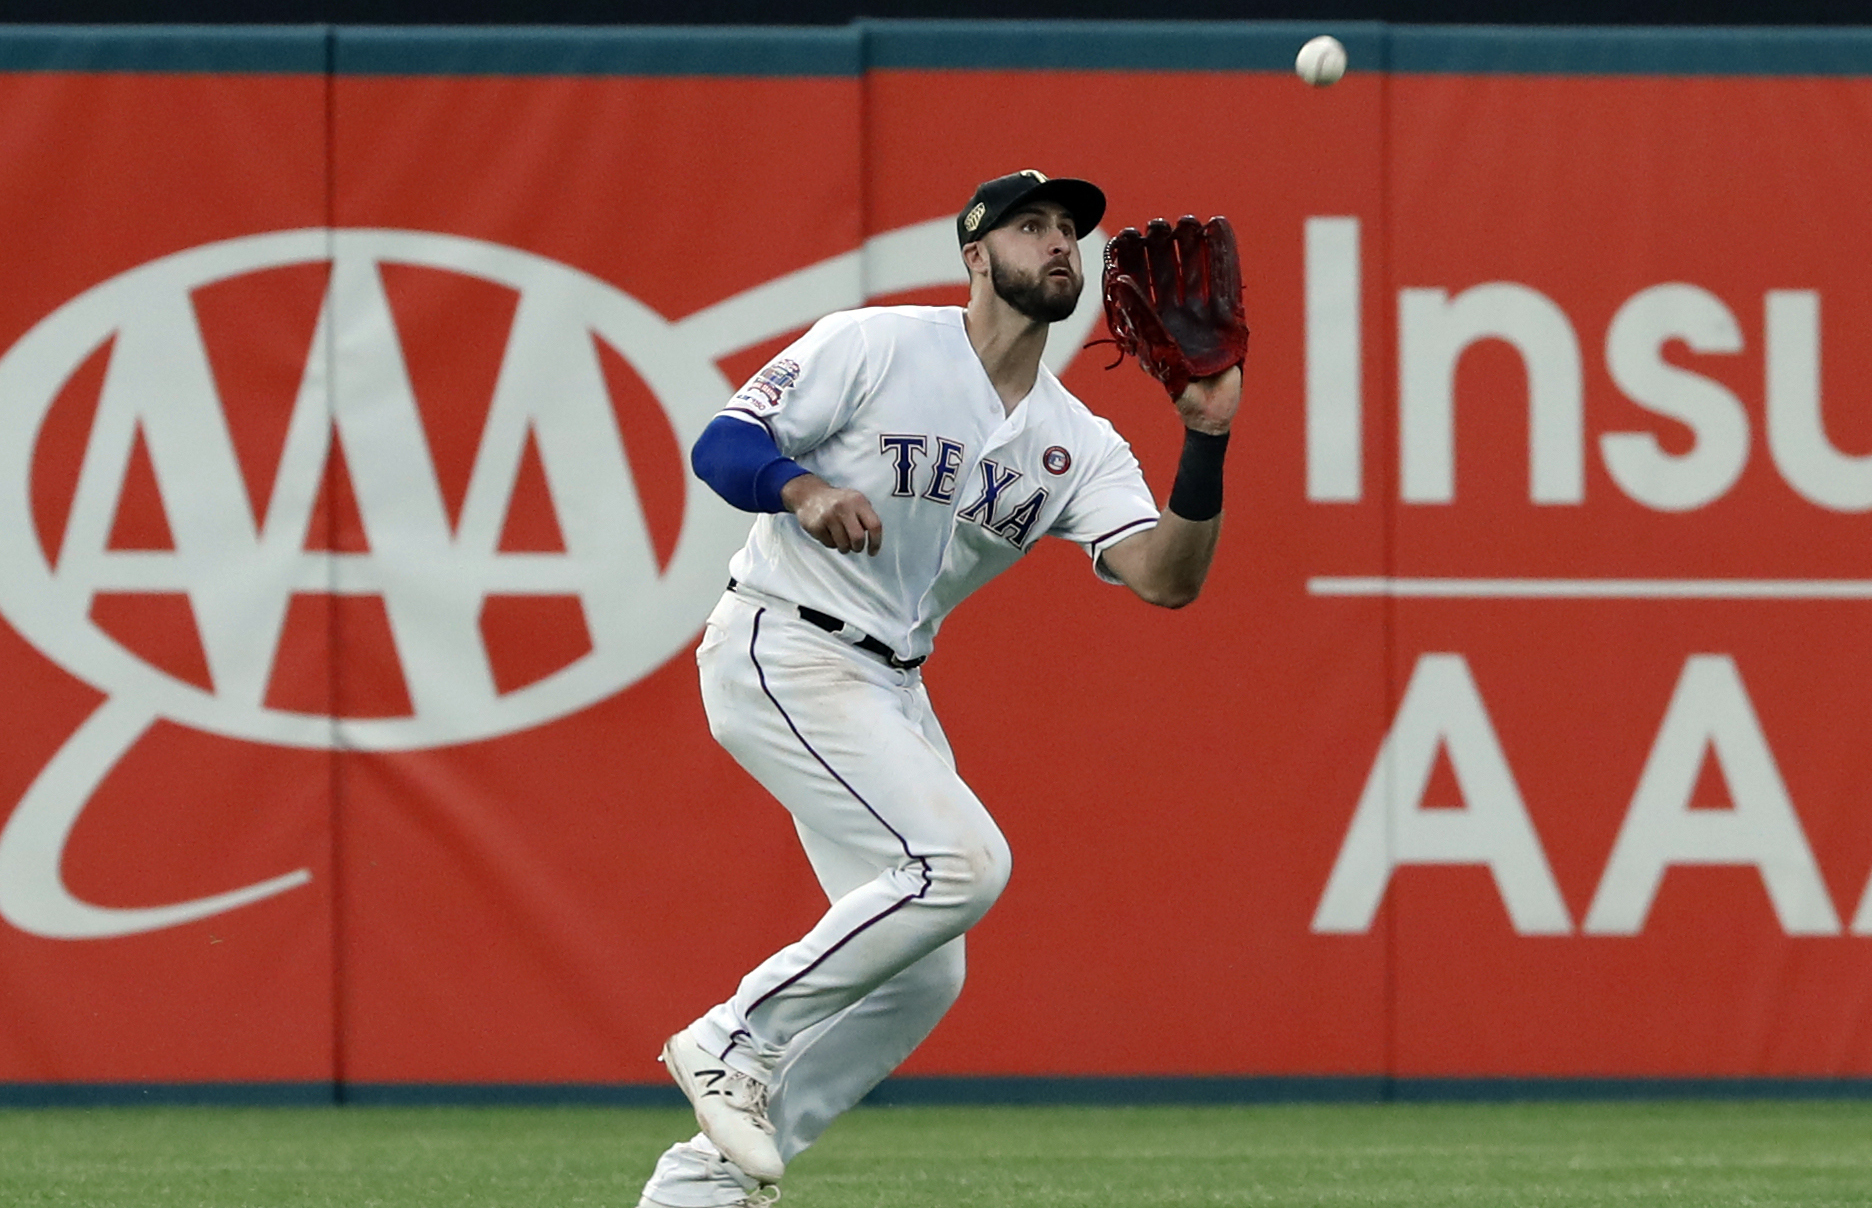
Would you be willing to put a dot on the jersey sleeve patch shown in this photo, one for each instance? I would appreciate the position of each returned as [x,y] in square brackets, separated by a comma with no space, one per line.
[765,390]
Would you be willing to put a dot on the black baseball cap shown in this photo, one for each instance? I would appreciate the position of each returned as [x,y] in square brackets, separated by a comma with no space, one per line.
[994,199]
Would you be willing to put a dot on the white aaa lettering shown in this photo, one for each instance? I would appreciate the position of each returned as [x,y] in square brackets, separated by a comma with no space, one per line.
[1709,715]
[240,571]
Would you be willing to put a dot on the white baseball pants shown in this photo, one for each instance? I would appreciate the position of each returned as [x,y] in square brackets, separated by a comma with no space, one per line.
[906,853]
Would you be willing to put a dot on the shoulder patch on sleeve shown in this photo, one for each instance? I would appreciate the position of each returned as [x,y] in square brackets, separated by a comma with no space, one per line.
[765,389]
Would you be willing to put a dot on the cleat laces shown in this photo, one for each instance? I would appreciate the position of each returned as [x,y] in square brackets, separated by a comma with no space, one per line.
[742,1093]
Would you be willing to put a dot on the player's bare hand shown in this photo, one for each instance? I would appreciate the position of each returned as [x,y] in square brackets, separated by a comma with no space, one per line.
[835,517]
[1209,404]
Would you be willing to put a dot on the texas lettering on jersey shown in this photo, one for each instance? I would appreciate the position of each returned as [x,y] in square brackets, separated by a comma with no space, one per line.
[905,452]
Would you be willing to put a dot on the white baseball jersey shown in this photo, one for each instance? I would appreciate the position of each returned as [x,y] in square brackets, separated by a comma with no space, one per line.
[893,402]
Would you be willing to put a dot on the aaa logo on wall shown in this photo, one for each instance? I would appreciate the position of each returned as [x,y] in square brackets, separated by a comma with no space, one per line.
[242,559]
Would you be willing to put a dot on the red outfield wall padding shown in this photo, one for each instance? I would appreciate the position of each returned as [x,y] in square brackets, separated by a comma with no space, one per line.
[350,566]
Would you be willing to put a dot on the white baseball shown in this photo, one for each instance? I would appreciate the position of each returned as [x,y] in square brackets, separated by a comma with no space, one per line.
[1321,61]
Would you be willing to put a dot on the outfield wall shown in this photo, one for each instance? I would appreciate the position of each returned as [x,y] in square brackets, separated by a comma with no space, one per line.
[350,568]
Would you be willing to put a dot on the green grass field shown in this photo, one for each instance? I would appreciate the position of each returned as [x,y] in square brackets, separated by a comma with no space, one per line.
[1718,1153]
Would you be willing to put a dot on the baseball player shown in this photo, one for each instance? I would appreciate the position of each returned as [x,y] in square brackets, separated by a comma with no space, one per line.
[899,457]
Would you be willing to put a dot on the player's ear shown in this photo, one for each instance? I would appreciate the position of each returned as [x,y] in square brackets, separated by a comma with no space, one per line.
[975,257]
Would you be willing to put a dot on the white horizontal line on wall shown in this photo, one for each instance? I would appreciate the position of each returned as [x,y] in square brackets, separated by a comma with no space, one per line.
[1591,589]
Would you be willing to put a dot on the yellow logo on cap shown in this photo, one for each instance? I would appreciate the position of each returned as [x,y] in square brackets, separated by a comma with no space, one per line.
[975,216]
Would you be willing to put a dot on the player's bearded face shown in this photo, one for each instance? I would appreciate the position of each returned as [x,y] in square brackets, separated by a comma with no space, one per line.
[1043,294]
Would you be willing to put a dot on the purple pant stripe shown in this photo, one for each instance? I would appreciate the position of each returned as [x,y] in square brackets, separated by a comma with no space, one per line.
[761,672]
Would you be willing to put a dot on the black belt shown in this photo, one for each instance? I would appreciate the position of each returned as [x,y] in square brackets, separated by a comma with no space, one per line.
[865,642]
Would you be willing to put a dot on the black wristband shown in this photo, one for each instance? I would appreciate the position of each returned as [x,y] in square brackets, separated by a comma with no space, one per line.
[1197,492]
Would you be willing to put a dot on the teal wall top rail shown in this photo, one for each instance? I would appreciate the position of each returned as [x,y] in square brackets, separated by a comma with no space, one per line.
[866,44]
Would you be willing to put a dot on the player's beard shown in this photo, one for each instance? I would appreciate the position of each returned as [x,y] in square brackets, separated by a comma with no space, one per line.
[1039,296]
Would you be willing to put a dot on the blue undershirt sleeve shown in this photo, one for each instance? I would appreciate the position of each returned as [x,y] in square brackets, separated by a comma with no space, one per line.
[743,465]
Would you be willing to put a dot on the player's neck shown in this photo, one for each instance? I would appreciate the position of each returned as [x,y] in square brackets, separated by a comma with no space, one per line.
[1009,345]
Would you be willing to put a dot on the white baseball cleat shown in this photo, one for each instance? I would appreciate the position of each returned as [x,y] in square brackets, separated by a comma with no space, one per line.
[730,1106]
[764,1198]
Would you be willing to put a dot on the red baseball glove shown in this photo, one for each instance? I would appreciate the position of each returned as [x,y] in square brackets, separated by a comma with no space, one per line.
[1173,299]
